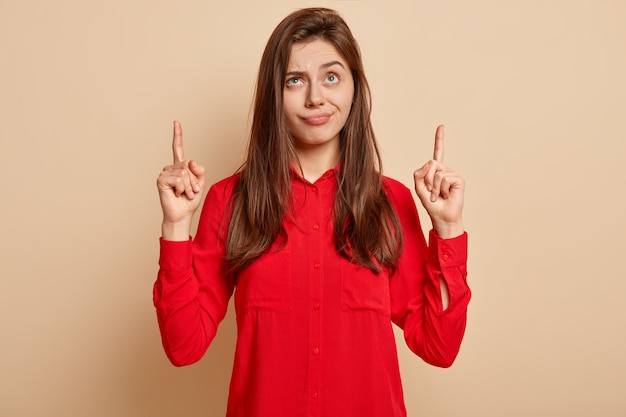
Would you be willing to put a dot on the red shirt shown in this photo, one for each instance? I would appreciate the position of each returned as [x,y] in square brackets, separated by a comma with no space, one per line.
[315,332]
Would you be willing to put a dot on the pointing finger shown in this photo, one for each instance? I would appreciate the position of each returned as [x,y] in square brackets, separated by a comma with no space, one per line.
[177,143]
[438,154]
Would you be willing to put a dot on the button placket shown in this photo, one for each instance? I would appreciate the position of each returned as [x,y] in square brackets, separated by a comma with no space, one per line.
[316,284]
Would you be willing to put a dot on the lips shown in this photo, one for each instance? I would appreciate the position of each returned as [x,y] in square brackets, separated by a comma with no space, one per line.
[317,119]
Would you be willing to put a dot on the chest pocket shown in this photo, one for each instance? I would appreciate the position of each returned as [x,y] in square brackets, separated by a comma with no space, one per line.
[266,284]
[363,290]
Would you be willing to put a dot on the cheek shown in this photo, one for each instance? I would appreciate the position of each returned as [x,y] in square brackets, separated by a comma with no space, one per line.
[346,103]
[292,100]
[288,107]
[348,98]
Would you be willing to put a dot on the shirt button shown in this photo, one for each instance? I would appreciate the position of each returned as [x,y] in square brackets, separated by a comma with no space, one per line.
[315,395]
[316,266]
[444,257]
[316,306]
[316,226]
[316,351]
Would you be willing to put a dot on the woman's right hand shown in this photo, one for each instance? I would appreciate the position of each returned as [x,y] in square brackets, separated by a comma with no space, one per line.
[180,188]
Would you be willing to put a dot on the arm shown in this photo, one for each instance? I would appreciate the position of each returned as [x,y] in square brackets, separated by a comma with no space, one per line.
[430,294]
[441,192]
[426,276]
[192,289]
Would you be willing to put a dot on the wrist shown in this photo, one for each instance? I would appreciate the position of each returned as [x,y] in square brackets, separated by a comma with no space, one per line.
[176,231]
[448,230]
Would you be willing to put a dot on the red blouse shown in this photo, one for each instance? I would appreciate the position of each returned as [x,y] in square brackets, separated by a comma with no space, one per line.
[314,330]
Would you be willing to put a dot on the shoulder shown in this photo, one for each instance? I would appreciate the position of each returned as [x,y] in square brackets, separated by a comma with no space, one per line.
[401,198]
[393,184]
[404,204]
[396,191]
[225,186]
[220,193]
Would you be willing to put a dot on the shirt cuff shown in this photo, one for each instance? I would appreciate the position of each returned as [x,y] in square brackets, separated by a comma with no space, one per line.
[175,255]
[448,253]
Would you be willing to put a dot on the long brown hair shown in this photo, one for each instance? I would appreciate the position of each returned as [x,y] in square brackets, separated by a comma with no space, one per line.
[366,227]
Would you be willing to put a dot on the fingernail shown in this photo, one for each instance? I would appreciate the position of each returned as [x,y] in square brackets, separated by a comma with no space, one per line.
[196,187]
[433,197]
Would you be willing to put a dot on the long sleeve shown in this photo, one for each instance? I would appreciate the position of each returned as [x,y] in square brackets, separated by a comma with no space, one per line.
[431,332]
[193,288]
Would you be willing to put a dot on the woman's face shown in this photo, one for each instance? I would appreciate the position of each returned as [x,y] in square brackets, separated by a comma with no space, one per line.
[317,96]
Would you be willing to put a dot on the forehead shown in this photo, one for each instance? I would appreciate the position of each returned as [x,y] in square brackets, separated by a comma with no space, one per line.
[310,55]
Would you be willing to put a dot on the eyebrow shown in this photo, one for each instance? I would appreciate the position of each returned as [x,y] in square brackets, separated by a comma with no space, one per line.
[331,63]
[323,66]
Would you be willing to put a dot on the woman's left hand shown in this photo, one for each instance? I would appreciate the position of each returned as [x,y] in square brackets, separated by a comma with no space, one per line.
[441,192]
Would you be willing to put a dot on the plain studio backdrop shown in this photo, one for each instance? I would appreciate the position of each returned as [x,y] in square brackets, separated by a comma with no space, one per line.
[533,97]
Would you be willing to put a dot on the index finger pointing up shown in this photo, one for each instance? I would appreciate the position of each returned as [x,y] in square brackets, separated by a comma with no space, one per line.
[438,154]
[177,143]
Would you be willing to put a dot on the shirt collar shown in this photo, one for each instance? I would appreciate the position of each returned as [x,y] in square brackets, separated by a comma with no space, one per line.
[330,174]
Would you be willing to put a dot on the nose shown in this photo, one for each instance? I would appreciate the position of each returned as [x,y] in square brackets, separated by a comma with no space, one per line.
[315,96]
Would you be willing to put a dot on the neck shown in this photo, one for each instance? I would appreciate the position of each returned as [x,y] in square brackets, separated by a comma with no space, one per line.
[315,161]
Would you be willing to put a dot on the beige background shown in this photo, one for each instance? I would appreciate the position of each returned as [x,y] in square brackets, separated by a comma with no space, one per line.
[533,95]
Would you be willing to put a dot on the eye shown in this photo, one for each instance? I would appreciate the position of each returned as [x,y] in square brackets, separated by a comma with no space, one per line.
[332,79]
[293,82]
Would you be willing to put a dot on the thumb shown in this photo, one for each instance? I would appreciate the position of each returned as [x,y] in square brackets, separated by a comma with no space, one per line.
[420,174]
[421,188]
[197,170]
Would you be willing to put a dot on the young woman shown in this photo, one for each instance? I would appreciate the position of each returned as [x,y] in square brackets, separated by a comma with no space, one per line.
[321,251]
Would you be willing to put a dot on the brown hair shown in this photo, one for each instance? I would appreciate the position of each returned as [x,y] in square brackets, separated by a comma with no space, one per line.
[367,229]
